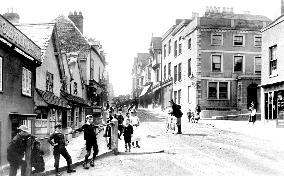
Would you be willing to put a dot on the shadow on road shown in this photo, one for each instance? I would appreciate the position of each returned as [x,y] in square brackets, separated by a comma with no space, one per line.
[194,135]
[141,153]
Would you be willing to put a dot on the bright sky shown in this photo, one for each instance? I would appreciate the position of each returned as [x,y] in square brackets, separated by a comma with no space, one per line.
[125,27]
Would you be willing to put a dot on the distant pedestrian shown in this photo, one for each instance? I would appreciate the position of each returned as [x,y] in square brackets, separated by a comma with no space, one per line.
[176,111]
[252,117]
[16,151]
[90,136]
[37,158]
[135,122]
[59,144]
[127,133]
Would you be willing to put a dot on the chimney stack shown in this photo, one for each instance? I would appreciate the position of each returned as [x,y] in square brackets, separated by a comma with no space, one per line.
[12,16]
[77,20]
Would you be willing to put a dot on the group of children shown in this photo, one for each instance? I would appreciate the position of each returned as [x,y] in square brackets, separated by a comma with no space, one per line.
[128,127]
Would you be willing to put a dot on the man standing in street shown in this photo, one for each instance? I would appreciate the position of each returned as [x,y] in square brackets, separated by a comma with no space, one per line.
[60,149]
[16,151]
[91,140]
[177,113]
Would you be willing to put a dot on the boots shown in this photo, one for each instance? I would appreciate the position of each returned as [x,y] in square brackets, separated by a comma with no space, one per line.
[85,164]
[69,170]
[57,173]
[92,163]
[137,145]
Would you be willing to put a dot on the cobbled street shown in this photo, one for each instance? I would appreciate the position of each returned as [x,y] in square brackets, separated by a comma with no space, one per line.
[202,149]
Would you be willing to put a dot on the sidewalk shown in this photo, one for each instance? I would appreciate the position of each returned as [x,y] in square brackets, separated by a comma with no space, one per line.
[76,149]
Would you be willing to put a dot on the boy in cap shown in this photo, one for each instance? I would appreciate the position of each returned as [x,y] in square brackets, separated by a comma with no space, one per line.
[60,149]
[91,140]
[37,158]
[16,151]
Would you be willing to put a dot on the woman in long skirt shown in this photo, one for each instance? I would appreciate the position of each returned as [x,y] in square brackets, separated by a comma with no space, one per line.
[135,122]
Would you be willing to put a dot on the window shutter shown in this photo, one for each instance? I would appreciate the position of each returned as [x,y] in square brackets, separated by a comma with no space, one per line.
[1,75]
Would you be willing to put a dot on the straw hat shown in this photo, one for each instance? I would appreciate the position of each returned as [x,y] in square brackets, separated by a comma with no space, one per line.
[23,128]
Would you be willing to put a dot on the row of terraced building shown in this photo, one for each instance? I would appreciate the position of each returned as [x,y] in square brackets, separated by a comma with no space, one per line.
[49,73]
[213,61]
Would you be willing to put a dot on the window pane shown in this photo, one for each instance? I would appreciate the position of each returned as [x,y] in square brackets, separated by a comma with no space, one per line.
[257,41]
[223,90]
[238,40]
[24,80]
[189,43]
[212,90]
[238,63]
[257,65]
[216,39]
[189,67]
[216,63]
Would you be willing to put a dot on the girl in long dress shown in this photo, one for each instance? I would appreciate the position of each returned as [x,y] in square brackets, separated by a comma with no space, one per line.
[135,122]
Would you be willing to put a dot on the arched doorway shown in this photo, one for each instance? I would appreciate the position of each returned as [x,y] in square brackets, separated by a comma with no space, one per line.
[252,95]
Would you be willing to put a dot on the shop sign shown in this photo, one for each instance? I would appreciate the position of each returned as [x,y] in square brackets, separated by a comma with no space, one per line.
[16,37]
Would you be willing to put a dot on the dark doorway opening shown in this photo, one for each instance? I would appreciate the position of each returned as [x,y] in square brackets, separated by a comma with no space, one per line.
[252,95]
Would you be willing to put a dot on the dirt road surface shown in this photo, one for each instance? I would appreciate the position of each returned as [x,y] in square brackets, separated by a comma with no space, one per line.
[203,149]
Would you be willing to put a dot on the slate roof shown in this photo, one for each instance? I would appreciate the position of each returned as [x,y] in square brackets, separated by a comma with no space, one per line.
[157,43]
[39,33]
[52,99]
[238,16]
[74,99]
[71,39]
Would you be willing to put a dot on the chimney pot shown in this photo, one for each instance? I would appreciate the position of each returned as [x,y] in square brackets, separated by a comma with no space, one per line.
[80,13]
[70,13]
[75,13]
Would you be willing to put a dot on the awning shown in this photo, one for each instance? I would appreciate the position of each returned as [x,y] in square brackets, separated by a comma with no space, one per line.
[145,90]
[45,98]
[18,116]
[74,99]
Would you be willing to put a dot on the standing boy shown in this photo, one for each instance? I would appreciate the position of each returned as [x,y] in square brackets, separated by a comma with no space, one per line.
[91,140]
[60,149]
[128,133]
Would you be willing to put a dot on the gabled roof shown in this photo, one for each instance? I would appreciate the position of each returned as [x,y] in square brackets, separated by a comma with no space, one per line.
[39,33]
[71,39]
[52,99]
[74,99]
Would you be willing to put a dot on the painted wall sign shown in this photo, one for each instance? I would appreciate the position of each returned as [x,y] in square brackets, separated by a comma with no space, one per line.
[16,37]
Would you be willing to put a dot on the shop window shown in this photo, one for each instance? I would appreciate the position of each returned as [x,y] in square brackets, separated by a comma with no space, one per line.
[218,90]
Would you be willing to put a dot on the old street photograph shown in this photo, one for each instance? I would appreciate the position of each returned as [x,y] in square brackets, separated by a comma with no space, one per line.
[141,88]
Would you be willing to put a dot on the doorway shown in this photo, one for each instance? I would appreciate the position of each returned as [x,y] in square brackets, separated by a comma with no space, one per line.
[252,95]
